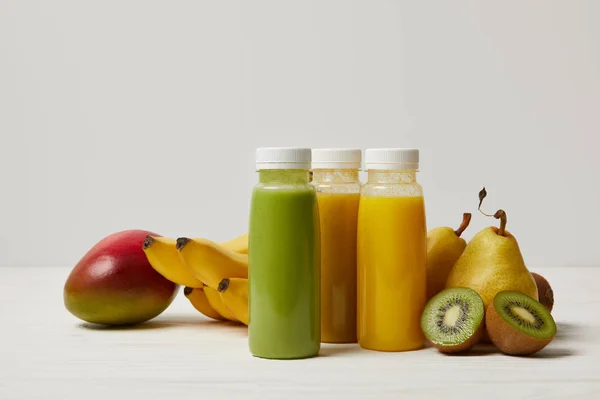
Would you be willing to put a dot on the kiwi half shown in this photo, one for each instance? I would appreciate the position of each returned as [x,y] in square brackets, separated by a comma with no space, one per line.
[453,319]
[518,324]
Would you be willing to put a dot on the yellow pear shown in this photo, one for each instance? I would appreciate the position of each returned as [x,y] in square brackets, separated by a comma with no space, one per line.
[444,247]
[491,263]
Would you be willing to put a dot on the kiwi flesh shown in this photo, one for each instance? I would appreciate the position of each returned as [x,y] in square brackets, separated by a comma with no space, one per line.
[545,292]
[453,319]
[518,324]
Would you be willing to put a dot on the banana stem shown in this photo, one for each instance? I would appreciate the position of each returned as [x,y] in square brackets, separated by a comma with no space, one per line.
[148,242]
[464,224]
[181,242]
[223,285]
[501,215]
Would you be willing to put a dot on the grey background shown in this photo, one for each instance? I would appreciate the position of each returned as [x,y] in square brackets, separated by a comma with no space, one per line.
[145,114]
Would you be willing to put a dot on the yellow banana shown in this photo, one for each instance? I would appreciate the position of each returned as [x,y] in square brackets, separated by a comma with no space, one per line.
[238,245]
[198,298]
[234,292]
[164,258]
[216,302]
[211,262]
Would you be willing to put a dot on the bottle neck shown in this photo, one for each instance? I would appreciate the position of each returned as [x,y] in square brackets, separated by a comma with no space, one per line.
[390,176]
[335,175]
[287,176]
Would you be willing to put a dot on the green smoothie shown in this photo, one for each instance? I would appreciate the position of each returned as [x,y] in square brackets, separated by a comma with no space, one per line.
[284,257]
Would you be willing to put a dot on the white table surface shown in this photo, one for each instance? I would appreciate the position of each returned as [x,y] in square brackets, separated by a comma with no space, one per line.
[45,353]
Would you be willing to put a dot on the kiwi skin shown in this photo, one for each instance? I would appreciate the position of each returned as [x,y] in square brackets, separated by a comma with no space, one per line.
[466,345]
[485,337]
[508,339]
[545,292]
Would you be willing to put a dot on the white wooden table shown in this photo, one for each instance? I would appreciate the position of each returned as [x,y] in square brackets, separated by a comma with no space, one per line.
[45,353]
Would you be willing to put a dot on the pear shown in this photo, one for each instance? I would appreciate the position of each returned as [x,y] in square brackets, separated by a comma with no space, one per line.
[492,263]
[444,247]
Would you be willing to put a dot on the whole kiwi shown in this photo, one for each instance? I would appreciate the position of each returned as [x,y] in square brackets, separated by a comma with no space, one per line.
[545,292]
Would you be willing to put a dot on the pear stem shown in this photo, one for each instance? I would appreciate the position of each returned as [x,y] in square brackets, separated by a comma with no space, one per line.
[464,224]
[486,214]
[501,215]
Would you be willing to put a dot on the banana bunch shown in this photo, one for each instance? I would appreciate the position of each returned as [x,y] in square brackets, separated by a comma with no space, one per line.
[215,275]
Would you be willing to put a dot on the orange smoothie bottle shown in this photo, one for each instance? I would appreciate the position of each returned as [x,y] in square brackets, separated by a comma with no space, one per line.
[392,238]
[335,177]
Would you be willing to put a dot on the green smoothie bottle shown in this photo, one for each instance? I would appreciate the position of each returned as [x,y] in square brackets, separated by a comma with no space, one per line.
[284,257]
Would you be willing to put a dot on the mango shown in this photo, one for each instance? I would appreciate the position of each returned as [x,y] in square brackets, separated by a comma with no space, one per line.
[114,284]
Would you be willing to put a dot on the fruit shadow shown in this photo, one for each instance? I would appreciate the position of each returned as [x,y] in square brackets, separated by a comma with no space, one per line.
[550,353]
[489,349]
[568,331]
[172,321]
[334,349]
[478,350]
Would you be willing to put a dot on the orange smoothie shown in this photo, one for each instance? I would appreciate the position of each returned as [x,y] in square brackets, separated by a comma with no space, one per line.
[338,219]
[392,254]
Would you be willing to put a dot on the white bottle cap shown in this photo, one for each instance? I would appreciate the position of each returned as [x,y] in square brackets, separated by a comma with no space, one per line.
[392,159]
[336,158]
[282,158]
